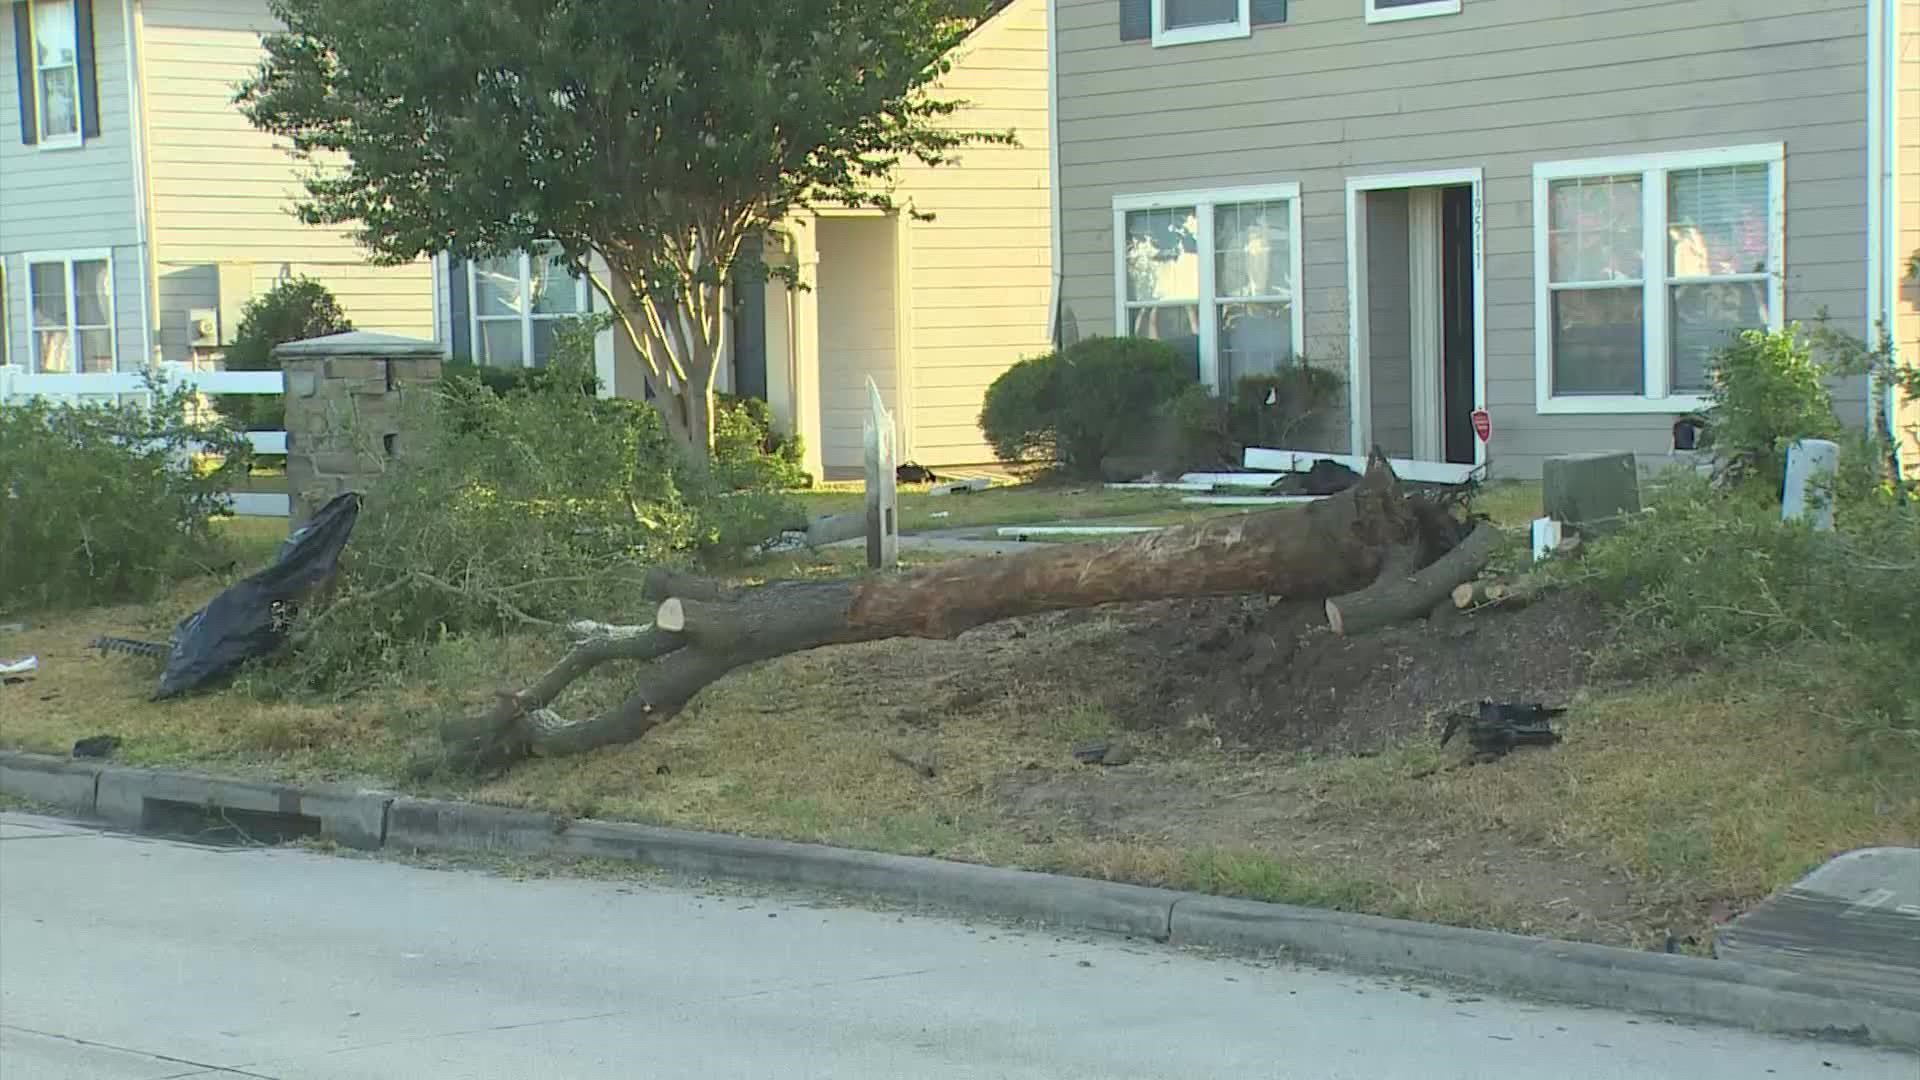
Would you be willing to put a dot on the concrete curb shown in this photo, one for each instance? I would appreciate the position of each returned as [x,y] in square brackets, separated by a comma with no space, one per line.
[1679,986]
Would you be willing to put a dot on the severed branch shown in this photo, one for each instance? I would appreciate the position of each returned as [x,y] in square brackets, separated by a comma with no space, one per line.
[1512,592]
[1399,595]
[702,630]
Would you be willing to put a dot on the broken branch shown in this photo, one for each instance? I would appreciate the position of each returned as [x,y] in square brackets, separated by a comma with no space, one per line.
[1393,598]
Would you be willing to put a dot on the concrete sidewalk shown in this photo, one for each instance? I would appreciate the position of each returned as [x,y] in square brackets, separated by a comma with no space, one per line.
[140,959]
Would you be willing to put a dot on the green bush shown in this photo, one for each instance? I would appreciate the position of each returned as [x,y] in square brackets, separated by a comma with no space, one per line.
[1073,407]
[1276,409]
[523,508]
[748,453]
[1714,572]
[103,503]
[1768,390]
[292,310]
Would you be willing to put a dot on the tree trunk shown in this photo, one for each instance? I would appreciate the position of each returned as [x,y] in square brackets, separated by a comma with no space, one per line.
[700,631]
[1407,591]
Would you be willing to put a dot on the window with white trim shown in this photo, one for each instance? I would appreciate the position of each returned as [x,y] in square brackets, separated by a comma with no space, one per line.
[70,313]
[1395,10]
[56,70]
[1213,274]
[518,301]
[1645,266]
[1183,22]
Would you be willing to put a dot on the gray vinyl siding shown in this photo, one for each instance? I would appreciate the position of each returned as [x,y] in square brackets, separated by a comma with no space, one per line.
[79,199]
[1390,322]
[1501,86]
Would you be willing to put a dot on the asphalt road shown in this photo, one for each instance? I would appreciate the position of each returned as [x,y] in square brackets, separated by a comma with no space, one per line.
[127,958]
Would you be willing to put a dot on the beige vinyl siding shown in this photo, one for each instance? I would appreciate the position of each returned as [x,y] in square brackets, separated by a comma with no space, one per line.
[1906,328]
[222,193]
[1501,86]
[77,199]
[977,274]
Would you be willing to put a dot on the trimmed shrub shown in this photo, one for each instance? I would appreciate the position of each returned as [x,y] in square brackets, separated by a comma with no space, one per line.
[1768,390]
[1712,571]
[103,503]
[748,453]
[1074,407]
[520,508]
[292,310]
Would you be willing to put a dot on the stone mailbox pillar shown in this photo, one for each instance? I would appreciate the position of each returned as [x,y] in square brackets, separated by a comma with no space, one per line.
[345,395]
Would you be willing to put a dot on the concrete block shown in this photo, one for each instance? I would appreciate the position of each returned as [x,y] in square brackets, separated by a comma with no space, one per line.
[127,798]
[1592,491]
[415,369]
[431,825]
[302,383]
[356,367]
[1855,918]
[49,781]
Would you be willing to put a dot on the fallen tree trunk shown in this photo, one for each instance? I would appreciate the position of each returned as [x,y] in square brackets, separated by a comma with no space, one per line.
[1398,594]
[701,632]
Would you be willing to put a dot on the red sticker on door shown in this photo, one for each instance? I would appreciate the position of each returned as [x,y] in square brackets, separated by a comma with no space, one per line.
[1482,424]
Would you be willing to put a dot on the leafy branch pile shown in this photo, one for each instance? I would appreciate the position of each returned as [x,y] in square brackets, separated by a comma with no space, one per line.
[524,507]
[108,502]
[1711,571]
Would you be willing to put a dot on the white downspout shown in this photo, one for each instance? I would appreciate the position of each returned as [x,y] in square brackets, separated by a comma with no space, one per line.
[1056,275]
[136,147]
[1880,151]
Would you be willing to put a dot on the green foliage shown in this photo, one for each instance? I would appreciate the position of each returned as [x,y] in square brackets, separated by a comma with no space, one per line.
[100,503]
[1274,409]
[663,140]
[1714,572]
[1075,406]
[516,508]
[292,310]
[1019,410]
[748,454]
[1768,390]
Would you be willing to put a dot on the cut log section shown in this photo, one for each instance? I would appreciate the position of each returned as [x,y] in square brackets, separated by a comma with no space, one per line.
[1401,592]
[1472,595]
[701,631]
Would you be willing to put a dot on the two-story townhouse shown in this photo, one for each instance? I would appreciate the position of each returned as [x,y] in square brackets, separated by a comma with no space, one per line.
[1552,210]
[73,236]
[139,210]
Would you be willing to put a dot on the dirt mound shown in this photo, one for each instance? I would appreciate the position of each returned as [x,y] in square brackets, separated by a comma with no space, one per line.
[1268,675]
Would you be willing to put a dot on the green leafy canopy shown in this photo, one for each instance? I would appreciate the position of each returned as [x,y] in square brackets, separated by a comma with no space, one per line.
[637,130]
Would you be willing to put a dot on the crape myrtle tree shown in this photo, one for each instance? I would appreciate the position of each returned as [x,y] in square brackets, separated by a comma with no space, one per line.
[660,134]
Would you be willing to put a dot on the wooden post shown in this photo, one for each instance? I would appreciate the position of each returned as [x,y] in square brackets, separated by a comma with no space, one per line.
[883,498]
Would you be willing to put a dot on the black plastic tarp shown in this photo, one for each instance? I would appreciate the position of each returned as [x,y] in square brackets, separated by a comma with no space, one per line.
[250,618]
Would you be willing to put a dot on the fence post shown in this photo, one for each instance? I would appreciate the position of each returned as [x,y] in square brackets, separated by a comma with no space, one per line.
[7,373]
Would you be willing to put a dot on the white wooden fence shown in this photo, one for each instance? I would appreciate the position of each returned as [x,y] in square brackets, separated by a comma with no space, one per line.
[17,384]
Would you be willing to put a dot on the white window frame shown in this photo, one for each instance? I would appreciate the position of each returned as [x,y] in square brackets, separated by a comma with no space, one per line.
[526,318]
[1656,282]
[1378,14]
[65,260]
[1242,26]
[65,140]
[1203,202]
